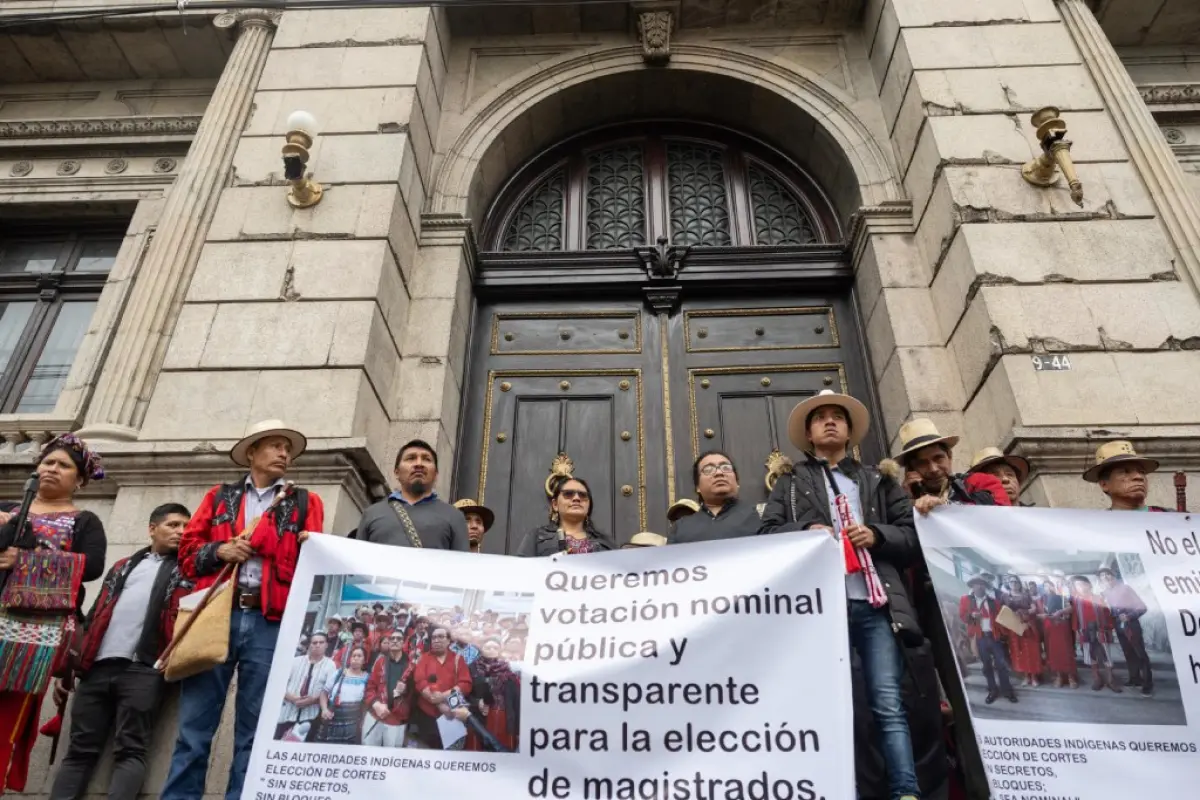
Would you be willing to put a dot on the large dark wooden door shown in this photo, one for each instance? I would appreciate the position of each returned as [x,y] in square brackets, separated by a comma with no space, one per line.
[604,384]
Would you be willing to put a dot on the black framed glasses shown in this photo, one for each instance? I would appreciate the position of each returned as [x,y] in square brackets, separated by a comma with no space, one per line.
[713,469]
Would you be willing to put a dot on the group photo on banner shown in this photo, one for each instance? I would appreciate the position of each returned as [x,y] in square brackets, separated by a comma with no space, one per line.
[628,674]
[1076,641]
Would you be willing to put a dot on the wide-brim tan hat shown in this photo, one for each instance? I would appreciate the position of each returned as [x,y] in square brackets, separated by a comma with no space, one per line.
[918,433]
[471,507]
[1110,454]
[992,455]
[860,420]
[682,508]
[261,430]
[647,539]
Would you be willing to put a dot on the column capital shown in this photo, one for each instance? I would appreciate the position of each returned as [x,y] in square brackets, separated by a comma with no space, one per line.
[248,18]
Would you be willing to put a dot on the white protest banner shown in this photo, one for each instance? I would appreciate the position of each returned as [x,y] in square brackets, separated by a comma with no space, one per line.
[714,671]
[1099,696]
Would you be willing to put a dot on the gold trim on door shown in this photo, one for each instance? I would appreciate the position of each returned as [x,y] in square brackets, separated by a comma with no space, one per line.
[636,374]
[694,373]
[633,315]
[834,340]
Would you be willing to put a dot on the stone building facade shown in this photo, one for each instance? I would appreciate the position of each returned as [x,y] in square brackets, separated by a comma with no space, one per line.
[841,180]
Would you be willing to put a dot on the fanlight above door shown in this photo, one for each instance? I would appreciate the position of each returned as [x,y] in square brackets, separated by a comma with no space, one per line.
[618,190]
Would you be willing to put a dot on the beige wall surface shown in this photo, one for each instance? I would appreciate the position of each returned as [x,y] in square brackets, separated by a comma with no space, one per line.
[350,319]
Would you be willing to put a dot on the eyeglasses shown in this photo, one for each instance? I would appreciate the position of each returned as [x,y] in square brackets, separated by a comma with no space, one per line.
[713,469]
[572,494]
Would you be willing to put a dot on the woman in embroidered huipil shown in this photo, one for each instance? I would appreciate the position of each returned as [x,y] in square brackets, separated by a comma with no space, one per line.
[570,529]
[342,701]
[43,568]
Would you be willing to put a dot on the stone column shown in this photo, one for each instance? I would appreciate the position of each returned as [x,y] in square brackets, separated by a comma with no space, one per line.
[1176,205]
[140,344]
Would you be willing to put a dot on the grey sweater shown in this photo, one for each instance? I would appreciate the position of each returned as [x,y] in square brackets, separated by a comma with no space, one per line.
[440,525]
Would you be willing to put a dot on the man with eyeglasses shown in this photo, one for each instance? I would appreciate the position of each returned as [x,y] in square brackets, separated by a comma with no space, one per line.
[721,515]
[388,698]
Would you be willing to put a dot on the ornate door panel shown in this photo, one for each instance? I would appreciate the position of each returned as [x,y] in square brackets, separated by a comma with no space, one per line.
[569,382]
[742,369]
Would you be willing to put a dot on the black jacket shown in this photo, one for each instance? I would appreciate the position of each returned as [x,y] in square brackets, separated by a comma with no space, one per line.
[888,512]
[543,541]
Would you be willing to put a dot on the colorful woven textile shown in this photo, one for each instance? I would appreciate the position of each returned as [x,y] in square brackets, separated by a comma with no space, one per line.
[28,643]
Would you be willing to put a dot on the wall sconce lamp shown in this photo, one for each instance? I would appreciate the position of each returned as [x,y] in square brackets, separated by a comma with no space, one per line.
[302,128]
[1056,154]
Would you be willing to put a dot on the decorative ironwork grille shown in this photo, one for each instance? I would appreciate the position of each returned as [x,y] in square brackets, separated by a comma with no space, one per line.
[779,218]
[538,223]
[696,191]
[616,198]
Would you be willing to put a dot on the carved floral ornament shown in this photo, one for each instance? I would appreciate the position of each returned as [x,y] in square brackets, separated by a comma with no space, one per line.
[115,126]
[654,29]
[1170,95]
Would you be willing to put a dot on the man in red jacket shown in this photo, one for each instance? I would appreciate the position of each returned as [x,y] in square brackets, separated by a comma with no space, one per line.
[254,524]
[389,695]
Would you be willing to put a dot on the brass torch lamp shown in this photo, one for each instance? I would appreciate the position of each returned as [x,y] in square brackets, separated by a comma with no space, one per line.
[1056,154]
[305,192]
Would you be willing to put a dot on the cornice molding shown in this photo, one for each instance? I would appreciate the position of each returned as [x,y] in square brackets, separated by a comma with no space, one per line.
[101,126]
[1170,94]
[451,230]
[1072,450]
[893,216]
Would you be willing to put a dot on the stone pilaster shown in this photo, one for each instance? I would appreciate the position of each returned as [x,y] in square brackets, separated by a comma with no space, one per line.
[140,344]
[1178,209]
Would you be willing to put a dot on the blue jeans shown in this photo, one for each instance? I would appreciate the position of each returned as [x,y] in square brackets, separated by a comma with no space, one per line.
[202,699]
[883,670]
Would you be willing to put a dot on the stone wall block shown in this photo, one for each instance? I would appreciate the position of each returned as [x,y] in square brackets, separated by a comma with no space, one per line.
[986,194]
[883,31]
[989,46]
[1021,90]
[346,67]
[279,334]
[430,321]
[334,28]
[213,405]
[1093,393]
[927,13]
[386,109]
[345,212]
[431,391]
[351,158]
[894,87]
[240,271]
[901,318]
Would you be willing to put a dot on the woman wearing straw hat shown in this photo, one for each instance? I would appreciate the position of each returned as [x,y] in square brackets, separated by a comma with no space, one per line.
[1010,470]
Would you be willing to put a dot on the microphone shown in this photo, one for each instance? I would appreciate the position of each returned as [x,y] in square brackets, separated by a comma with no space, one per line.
[31,489]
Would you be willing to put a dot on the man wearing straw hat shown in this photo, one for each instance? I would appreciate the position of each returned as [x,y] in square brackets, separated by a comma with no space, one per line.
[479,521]
[1010,470]
[254,524]
[871,514]
[1121,473]
[930,455]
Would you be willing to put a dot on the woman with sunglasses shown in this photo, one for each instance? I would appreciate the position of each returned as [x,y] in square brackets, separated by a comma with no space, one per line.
[570,529]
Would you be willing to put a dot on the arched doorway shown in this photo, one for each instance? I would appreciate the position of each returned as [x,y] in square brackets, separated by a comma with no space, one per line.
[646,292]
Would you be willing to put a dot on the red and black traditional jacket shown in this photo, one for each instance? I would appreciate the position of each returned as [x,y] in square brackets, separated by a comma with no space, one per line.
[169,586]
[219,518]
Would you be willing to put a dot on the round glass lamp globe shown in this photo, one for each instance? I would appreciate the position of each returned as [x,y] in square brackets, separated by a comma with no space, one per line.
[302,121]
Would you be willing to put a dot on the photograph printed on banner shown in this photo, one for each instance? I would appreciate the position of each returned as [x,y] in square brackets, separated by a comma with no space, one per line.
[385,662]
[1056,636]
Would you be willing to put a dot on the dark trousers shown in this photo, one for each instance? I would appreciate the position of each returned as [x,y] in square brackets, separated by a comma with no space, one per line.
[1137,660]
[118,698]
[995,665]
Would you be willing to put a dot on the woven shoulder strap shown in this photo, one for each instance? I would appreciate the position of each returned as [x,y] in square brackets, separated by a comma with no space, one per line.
[406,521]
